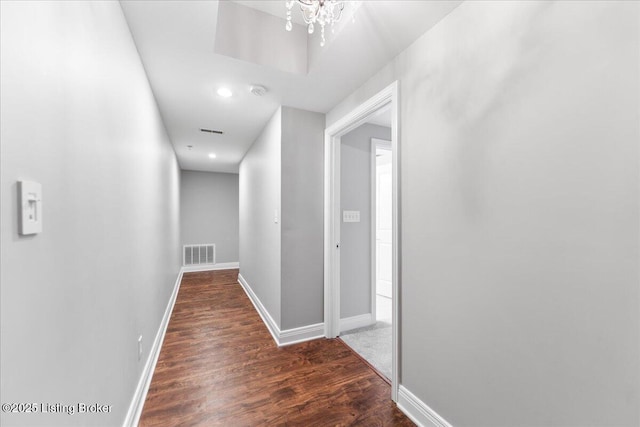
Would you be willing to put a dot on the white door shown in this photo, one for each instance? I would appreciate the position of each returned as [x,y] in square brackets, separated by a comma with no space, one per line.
[384,203]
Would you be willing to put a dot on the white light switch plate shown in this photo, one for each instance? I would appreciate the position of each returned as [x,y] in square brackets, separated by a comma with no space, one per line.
[30,202]
[350,216]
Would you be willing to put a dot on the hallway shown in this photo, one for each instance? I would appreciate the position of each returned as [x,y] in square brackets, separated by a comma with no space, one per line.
[219,366]
[133,132]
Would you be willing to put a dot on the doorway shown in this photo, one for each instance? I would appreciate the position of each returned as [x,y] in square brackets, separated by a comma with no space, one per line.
[339,215]
[366,244]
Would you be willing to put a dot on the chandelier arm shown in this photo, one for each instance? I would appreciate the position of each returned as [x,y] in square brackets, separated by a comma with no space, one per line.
[309,15]
[323,12]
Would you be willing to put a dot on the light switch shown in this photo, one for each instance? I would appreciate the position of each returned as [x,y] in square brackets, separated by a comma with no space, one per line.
[350,216]
[30,202]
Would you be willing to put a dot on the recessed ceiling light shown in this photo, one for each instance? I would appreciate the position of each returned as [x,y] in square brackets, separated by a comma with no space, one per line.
[225,92]
[212,155]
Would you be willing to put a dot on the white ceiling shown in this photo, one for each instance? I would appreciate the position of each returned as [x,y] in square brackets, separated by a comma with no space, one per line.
[177,43]
[275,8]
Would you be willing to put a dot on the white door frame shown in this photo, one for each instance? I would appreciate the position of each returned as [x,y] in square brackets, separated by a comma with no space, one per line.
[384,144]
[332,216]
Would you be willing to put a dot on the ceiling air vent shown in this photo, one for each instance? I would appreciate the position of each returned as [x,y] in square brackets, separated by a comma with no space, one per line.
[258,90]
[219,132]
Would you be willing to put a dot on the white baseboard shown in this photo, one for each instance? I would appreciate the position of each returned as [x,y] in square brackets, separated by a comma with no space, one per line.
[135,408]
[211,267]
[360,321]
[418,411]
[301,334]
[261,309]
[288,336]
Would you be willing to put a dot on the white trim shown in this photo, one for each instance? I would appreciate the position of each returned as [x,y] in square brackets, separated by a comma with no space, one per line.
[385,145]
[332,235]
[355,322]
[211,267]
[373,181]
[395,238]
[301,334]
[358,116]
[137,403]
[418,411]
[261,309]
[287,336]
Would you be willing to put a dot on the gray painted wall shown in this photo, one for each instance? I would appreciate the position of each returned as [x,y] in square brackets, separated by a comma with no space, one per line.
[283,170]
[78,116]
[260,190]
[355,237]
[209,211]
[302,217]
[520,253]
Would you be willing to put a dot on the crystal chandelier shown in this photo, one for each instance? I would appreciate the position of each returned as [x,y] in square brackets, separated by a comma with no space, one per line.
[323,12]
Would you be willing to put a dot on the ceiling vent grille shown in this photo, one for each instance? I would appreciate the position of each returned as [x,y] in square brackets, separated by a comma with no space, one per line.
[258,90]
[219,132]
[199,254]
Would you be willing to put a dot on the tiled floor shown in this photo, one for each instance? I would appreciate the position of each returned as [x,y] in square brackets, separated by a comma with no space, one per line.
[373,343]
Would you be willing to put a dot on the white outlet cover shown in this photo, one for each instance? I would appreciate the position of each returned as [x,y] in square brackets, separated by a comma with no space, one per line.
[350,216]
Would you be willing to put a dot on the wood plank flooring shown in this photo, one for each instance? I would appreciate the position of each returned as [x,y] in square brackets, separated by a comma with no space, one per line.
[220,366]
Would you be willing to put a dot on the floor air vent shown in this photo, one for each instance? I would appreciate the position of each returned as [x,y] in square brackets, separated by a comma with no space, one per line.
[199,254]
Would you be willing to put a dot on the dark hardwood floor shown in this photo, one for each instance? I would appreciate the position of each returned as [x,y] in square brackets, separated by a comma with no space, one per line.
[220,366]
